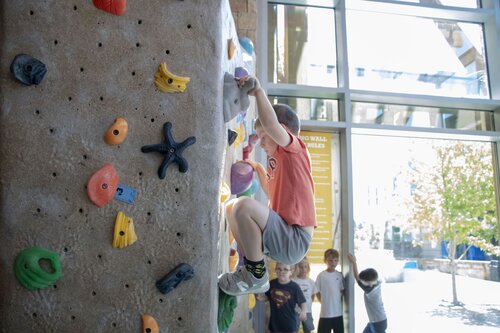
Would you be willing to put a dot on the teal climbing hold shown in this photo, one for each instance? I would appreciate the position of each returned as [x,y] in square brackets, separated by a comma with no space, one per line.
[247,44]
[227,304]
[29,272]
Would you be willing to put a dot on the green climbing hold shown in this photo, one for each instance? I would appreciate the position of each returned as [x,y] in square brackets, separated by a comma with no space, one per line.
[29,272]
[227,304]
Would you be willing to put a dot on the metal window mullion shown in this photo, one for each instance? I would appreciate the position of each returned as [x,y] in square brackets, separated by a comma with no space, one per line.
[425,100]
[423,10]
[492,45]
[425,132]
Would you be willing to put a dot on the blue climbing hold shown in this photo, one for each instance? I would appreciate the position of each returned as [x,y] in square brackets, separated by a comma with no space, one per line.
[247,44]
[170,281]
[27,69]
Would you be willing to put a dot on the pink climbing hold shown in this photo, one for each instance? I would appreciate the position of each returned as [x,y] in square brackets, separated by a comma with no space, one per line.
[102,185]
[247,150]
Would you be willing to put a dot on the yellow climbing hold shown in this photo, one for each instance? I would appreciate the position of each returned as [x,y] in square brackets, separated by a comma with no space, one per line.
[225,192]
[166,81]
[124,231]
[251,301]
[241,135]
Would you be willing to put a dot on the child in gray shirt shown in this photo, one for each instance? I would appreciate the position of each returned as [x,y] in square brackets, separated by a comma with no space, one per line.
[368,281]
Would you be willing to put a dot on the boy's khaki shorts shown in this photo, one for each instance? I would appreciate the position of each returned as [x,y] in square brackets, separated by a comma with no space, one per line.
[284,243]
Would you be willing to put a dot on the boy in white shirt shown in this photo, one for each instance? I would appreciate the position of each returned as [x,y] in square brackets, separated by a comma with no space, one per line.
[330,288]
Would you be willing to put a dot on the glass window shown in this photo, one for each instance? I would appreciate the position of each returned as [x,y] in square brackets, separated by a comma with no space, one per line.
[301,46]
[410,196]
[310,108]
[396,53]
[418,116]
[452,3]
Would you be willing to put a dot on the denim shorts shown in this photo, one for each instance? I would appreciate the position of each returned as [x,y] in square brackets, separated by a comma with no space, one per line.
[308,324]
[284,243]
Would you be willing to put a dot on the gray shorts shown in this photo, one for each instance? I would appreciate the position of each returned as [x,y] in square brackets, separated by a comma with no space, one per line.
[284,243]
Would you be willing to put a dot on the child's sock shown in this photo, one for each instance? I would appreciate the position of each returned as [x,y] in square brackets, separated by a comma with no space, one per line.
[257,268]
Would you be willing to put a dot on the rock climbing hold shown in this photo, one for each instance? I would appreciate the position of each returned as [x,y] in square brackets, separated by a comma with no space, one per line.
[227,304]
[231,48]
[166,81]
[231,136]
[235,99]
[247,44]
[251,190]
[170,281]
[225,192]
[171,150]
[251,301]
[233,260]
[102,185]
[247,150]
[241,177]
[117,133]
[29,272]
[27,69]
[115,7]
[240,72]
[241,135]
[149,324]
[124,234]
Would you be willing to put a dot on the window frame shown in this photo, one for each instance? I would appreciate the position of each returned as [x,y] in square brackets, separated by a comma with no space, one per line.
[488,15]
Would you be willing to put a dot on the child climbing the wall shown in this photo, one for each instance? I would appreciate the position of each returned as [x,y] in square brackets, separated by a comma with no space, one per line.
[368,281]
[283,230]
[286,300]
[329,290]
[307,286]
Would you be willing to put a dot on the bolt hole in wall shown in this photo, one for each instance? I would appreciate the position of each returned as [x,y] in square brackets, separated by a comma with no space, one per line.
[394,180]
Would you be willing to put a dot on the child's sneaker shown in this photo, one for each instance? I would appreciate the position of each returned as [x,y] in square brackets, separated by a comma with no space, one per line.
[243,282]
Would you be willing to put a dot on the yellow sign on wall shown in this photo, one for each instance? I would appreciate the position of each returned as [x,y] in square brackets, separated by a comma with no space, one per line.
[320,149]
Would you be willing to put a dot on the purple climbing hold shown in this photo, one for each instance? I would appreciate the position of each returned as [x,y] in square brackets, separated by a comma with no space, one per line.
[240,72]
[241,177]
[27,69]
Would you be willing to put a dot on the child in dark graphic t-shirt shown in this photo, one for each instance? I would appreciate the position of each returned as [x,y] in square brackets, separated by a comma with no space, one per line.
[285,299]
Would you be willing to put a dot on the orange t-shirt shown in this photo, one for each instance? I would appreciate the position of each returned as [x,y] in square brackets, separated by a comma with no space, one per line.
[291,187]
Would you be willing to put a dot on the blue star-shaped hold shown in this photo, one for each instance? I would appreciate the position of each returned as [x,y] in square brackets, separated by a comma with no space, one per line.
[171,150]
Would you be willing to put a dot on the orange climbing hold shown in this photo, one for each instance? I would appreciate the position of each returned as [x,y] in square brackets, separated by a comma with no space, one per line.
[117,133]
[149,324]
[115,7]
[102,185]
[231,48]
[234,257]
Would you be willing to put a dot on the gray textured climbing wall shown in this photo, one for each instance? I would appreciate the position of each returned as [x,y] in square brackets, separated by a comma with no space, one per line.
[100,67]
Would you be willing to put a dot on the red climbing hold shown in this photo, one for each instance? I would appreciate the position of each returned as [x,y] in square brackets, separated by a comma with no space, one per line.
[115,7]
[102,185]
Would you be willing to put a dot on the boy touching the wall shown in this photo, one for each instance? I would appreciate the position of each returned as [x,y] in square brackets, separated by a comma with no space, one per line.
[283,230]
[368,281]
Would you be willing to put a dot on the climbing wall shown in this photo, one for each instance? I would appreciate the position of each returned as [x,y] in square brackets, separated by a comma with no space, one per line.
[99,67]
